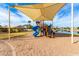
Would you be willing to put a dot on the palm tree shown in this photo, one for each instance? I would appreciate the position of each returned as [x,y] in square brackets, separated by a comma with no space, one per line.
[0,26]
[29,22]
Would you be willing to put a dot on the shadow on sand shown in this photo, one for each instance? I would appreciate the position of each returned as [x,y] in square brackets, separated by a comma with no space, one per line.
[62,35]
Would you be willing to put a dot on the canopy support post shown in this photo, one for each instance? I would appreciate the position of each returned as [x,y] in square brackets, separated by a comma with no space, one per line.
[72,21]
[52,28]
[9,21]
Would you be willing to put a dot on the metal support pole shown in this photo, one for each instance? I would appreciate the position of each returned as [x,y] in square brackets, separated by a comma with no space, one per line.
[43,28]
[72,21]
[52,23]
[9,21]
[52,28]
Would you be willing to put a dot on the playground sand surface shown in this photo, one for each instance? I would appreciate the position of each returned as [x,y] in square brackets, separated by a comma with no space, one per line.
[43,46]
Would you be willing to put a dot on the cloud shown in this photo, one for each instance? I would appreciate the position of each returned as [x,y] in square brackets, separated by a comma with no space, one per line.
[62,22]
[76,20]
[65,11]
[15,19]
[63,17]
[76,14]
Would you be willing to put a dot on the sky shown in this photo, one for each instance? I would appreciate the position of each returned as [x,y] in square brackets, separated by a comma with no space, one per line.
[76,15]
[61,19]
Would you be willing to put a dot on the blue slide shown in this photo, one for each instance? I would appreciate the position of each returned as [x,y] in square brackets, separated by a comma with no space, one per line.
[36,31]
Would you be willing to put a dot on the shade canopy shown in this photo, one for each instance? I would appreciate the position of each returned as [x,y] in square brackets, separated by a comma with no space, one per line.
[45,11]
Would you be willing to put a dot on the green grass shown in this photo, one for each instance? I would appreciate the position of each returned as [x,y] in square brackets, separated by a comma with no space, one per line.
[76,34]
[73,34]
[6,35]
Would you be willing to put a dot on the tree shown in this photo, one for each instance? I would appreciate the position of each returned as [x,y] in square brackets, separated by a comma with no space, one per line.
[29,21]
[77,27]
[0,26]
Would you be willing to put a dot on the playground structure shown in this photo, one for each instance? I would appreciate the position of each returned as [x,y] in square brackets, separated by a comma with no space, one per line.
[40,12]
[45,11]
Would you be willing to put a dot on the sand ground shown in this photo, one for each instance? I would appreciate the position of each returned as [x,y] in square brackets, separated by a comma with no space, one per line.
[43,46]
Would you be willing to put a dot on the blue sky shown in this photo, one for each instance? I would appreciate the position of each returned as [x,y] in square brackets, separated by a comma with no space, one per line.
[76,14]
[61,19]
